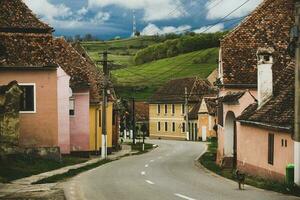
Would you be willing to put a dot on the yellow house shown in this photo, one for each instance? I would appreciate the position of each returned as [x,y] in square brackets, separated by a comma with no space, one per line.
[96,127]
[167,112]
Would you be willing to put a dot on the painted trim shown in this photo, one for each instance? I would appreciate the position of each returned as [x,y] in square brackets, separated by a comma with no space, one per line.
[34,98]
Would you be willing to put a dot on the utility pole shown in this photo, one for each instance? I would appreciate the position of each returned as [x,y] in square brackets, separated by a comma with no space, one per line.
[133,120]
[186,107]
[104,105]
[296,39]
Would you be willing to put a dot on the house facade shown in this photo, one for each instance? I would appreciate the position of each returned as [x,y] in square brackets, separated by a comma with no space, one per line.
[253,58]
[61,87]
[168,112]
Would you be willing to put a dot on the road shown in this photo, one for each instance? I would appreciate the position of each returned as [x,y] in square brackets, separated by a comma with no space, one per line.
[166,173]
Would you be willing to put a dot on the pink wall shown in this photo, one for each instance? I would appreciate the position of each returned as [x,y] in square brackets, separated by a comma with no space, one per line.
[237,109]
[79,124]
[63,95]
[253,152]
[38,129]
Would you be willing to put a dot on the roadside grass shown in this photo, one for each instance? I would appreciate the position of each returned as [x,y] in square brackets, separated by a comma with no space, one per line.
[71,173]
[208,160]
[138,147]
[16,167]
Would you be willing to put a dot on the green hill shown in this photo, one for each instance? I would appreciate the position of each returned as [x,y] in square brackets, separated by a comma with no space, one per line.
[121,51]
[145,79]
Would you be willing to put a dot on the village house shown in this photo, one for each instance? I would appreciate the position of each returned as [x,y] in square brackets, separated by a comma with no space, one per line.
[256,100]
[167,108]
[60,87]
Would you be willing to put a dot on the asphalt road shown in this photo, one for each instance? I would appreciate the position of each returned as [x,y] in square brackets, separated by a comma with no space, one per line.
[166,173]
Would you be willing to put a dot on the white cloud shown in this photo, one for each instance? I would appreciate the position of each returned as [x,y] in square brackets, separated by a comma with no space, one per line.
[61,16]
[48,10]
[152,29]
[154,9]
[217,10]
[100,17]
[210,29]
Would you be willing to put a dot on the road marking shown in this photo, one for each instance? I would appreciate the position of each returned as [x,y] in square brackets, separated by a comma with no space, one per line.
[151,160]
[184,197]
[143,173]
[146,165]
[150,182]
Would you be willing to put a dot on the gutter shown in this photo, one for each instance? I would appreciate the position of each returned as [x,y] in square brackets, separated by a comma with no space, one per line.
[237,85]
[268,126]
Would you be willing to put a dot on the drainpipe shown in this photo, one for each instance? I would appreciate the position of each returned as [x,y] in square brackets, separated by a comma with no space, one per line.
[297,95]
[96,129]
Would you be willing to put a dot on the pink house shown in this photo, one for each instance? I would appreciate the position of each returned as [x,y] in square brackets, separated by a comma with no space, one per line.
[252,59]
[58,83]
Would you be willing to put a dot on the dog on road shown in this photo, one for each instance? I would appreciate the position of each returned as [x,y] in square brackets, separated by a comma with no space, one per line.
[241,179]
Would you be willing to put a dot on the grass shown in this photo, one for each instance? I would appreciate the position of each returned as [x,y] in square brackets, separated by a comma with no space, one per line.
[208,160]
[16,167]
[147,78]
[71,173]
[121,51]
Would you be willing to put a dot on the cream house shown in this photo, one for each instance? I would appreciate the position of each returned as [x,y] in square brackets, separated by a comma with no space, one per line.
[167,109]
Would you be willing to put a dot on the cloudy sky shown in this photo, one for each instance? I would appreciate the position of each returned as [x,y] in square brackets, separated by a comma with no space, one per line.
[110,18]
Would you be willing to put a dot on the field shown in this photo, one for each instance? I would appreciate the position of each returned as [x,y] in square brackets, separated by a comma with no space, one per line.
[121,51]
[144,79]
[140,81]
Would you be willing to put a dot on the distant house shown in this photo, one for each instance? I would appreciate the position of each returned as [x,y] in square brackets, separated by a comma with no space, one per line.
[255,109]
[142,115]
[167,111]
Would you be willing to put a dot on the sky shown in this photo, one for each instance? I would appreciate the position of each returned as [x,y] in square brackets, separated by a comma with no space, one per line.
[107,19]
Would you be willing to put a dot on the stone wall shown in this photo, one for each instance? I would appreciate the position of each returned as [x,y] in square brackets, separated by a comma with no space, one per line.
[9,117]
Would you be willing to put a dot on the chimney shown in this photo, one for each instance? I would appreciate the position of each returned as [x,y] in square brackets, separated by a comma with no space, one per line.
[264,75]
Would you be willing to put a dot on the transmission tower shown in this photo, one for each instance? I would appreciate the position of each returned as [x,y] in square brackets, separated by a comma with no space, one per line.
[134,30]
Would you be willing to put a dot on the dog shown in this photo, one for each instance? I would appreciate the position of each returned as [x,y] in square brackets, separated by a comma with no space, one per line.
[241,179]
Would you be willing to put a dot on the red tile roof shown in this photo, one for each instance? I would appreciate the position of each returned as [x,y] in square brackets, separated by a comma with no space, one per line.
[174,90]
[16,17]
[268,26]
[142,111]
[278,112]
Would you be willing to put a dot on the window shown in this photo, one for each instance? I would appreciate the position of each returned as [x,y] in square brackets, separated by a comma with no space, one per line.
[28,98]
[173,127]
[173,109]
[72,106]
[183,127]
[271,149]
[166,126]
[283,143]
[182,109]
[166,108]
[158,126]
[220,113]
[100,118]
[158,108]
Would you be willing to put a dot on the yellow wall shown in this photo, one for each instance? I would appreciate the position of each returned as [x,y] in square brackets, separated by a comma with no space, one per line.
[177,118]
[94,121]
[203,120]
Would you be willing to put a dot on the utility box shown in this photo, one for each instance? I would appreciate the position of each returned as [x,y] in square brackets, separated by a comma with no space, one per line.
[289,176]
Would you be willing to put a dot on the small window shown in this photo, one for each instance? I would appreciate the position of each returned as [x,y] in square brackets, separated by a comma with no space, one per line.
[271,149]
[100,118]
[285,143]
[282,142]
[166,108]
[158,126]
[158,108]
[72,106]
[183,127]
[27,100]
[183,109]
[220,114]
[173,109]
[173,127]
[166,126]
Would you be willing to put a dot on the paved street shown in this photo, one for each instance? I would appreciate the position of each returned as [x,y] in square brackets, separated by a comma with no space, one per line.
[166,173]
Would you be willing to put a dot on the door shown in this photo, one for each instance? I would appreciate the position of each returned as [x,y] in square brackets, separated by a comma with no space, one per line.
[204,134]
